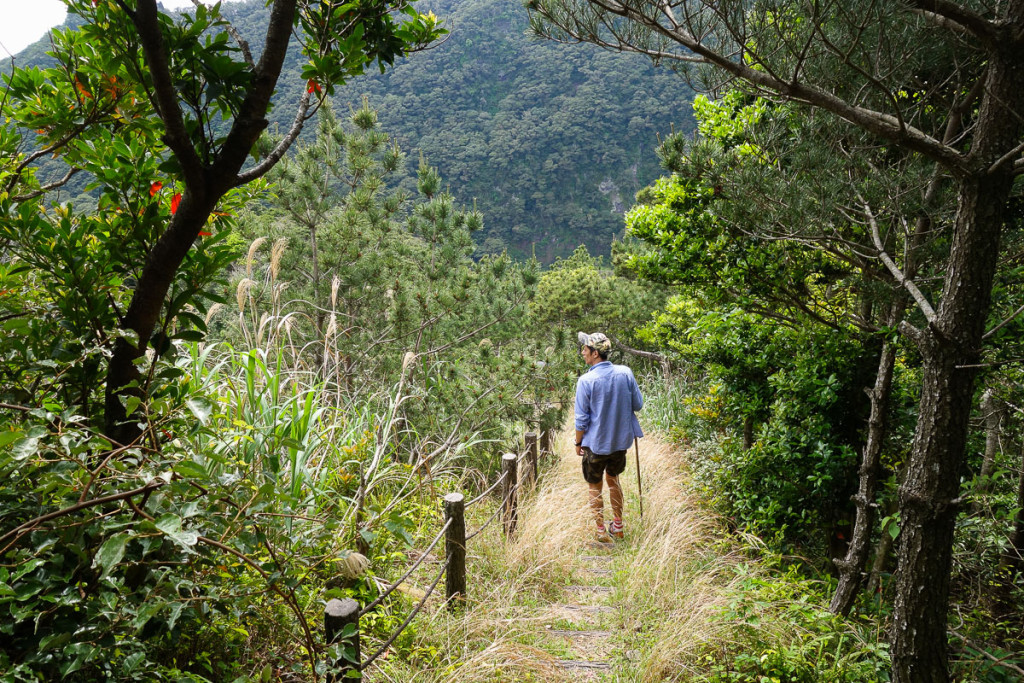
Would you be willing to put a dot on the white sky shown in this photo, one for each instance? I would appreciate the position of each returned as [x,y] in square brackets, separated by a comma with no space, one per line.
[23,22]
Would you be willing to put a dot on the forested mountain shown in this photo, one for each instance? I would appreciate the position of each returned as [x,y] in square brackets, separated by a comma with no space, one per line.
[551,142]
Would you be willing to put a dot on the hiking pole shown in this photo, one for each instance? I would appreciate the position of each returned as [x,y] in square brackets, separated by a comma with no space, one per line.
[639,484]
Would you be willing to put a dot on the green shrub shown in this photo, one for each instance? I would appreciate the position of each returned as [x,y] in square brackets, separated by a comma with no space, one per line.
[782,632]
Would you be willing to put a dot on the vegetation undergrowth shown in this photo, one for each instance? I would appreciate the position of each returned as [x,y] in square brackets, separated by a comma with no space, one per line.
[691,601]
[773,621]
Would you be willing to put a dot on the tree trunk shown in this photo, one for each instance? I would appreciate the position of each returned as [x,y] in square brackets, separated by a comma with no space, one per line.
[748,433]
[205,183]
[123,375]
[851,568]
[878,565]
[951,343]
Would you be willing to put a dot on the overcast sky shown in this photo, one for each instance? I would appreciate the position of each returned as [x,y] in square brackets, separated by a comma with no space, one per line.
[23,22]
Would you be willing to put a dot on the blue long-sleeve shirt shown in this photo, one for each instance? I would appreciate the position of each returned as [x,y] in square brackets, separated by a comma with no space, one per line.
[607,398]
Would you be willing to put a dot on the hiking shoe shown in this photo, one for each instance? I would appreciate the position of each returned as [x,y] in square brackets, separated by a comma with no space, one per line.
[601,536]
[616,531]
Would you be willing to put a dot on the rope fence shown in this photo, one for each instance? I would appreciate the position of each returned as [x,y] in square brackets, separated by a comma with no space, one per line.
[494,515]
[380,598]
[408,620]
[341,617]
[488,491]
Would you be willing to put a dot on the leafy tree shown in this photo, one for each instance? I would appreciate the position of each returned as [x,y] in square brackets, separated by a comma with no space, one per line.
[750,218]
[579,293]
[181,87]
[99,415]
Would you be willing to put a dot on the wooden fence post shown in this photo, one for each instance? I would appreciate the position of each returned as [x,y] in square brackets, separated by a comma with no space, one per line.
[509,493]
[546,437]
[337,615]
[531,454]
[455,549]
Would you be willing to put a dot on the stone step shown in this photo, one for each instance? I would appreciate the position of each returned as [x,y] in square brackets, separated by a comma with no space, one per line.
[594,589]
[603,609]
[580,664]
[597,558]
[569,633]
[601,572]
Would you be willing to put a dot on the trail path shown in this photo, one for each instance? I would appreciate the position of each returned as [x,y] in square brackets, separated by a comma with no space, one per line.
[579,623]
[552,606]
[582,610]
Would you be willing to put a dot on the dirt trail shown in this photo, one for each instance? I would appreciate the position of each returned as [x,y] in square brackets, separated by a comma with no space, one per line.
[551,605]
[583,616]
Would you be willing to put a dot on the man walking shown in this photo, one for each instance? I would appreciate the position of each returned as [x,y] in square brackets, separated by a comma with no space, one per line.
[607,398]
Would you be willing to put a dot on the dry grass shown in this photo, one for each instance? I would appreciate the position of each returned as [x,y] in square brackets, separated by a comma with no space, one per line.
[668,579]
[555,523]
[678,568]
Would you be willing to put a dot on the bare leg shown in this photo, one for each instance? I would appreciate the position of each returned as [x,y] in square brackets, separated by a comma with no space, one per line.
[597,502]
[615,493]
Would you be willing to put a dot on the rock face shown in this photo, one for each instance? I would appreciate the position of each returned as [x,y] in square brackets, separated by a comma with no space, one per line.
[611,190]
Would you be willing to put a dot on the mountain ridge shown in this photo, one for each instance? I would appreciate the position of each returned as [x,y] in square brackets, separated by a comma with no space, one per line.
[550,141]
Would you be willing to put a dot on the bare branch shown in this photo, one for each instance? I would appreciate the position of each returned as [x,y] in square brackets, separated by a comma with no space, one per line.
[48,187]
[1006,158]
[943,22]
[233,32]
[146,20]
[155,484]
[282,147]
[919,297]
[1003,324]
[908,330]
[75,132]
[715,54]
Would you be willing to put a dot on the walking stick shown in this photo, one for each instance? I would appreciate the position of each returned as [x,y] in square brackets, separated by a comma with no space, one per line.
[639,484]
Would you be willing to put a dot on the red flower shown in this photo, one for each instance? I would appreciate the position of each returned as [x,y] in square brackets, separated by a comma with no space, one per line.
[175,200]
[155,187]
[203,233]
[312,85]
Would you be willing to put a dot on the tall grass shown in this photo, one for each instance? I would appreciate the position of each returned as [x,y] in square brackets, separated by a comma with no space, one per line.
[693,602]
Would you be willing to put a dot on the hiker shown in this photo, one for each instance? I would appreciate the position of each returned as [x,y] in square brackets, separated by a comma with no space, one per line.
[607,398]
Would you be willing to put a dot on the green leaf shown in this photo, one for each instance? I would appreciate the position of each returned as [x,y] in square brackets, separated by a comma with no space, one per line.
[130,403]
[190,335]
[26,568]
[170,525]
[175,612]
[25,448]
[8,437]
[201,408]
[190,468]
[110,553]
[54,640]
[146,612]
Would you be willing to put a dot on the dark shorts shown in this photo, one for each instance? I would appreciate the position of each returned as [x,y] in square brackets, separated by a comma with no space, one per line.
[595,465]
